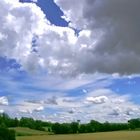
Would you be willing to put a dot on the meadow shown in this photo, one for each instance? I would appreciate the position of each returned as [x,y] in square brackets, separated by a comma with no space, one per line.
[23,131]
[120,135]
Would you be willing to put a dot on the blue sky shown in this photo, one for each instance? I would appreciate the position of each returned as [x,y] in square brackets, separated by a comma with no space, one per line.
[48,72]
[52,11]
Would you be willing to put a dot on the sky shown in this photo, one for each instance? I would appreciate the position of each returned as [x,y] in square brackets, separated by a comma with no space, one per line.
[67,60]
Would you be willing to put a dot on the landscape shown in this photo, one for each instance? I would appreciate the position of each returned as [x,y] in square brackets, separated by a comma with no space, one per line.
[29,129]
[69,69]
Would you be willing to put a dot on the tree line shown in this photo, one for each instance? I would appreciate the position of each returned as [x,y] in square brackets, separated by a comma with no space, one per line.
[67,128]
[92,126]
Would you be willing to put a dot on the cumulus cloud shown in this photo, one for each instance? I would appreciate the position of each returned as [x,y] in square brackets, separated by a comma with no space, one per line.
[97,100]
[4,100]
[114,40]
[19,23]
[104,104]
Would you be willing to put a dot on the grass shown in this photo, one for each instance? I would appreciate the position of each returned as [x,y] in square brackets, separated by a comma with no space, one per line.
[120,135]
[23,131]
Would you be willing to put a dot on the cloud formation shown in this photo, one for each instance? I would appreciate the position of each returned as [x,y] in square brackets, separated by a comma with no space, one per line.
[102,105]
[69,104]
[114,39]
[108,41]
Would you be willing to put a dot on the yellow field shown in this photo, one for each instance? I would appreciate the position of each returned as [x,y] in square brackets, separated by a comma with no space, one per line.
[121,135]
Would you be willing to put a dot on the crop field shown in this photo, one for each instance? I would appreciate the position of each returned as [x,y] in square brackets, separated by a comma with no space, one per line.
[120,135]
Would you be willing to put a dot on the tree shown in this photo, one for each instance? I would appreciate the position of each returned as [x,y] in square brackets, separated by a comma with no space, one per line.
[56,128]
[82,128]
[95,126]
[74,127]
[6,134]
[134,123]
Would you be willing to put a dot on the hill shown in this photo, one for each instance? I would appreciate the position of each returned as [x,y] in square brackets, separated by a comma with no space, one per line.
[24,131]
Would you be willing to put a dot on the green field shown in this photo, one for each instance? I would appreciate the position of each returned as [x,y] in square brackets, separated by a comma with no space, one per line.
[23,131]
[120,135]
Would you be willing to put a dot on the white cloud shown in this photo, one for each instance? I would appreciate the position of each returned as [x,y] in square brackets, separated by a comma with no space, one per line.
[3,100]
[97,100]
[40,108]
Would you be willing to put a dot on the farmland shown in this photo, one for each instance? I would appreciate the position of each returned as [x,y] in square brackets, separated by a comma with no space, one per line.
[120,135]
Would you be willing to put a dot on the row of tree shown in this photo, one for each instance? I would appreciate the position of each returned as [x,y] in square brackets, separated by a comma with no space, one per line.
[67,128]
[93,126]
[6,121]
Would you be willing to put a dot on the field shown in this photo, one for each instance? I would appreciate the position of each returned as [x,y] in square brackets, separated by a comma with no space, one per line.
[120,135]
[22,131]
